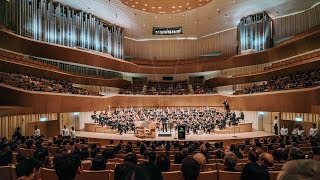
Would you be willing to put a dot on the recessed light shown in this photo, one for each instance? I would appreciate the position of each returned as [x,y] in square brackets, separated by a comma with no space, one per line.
[145,4]
[187,4]
[156,17]
[133,6]
[153,7]
[159,7]
[180,6]
[136,2]
[173,7]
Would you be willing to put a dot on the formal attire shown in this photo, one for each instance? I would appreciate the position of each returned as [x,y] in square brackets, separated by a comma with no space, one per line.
[275,126]
[36,132]
[73,134]
[65,132]
[253,171]
[301,132]
[284,131]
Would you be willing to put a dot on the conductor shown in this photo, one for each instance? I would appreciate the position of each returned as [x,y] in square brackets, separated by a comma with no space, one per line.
[226,107]
[164,121]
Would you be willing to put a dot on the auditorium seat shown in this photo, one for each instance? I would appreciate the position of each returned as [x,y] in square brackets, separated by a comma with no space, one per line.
[211,161]
[208,175]
[13,173]
[111,165]
[5,172]
[48,174]
[111,174]
[211,167]
[221,166]
[28,153]
[242,161]
[175,167]
[226,175]
[86,165]
[277,166]
[273,174]
[173,175]
[114,160]
[91,175]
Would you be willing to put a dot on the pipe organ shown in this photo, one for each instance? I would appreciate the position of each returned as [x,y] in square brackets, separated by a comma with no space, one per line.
[255,32]
[52,22]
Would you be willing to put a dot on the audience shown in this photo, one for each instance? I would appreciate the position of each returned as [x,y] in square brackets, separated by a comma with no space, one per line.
[33,83]
[68,167]
[190,169]
[98,163]
[230,161]
[163,162]
[300,170]
[27,169]
[297,80]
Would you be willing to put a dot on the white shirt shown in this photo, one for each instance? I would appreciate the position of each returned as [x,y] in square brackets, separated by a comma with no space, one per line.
[276,122]
[300,132]
[295,131]
[36,132]
[73,134]
[313,132]
[284,131]
[65,132]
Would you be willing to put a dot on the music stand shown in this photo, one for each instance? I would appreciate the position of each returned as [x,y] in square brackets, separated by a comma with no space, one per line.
[234,131]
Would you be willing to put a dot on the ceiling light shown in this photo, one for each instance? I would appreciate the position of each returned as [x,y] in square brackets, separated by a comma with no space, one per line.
[144,9]
[178,10]
[195,22]
[145,4]
[136,2]
[187,4]
[153,7]
[159,7]
[156,17]
[173,11]
[173,7]
[133,6]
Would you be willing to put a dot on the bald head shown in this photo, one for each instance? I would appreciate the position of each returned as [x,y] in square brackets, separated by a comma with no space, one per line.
[266,159]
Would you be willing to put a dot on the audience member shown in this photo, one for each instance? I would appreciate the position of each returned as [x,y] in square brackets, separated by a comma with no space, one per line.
[229,161]
[98,163]
[300,170]
[190,169]
[163,162]
[28,169]
[68,167]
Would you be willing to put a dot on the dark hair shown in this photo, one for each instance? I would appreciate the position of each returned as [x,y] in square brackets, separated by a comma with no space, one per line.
[163,162]
[130,157]
[152,157]
[27,167]
[178,158]
[253,156]
[295,154]
[190,169]
[66,167]
[98,163]
[277,155]
[230,160]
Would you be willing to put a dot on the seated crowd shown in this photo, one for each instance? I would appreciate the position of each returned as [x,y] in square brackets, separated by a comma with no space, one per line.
[292,81]
[33,83]
[258,158]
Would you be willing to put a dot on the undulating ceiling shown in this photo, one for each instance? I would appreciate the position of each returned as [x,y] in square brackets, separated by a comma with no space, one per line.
[200,20]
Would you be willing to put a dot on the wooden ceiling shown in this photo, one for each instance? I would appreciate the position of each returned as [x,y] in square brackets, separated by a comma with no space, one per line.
[165,6]
[215,16]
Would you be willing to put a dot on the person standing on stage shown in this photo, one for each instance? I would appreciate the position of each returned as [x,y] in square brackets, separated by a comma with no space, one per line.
[226,107]
[164,120]
[72,133]
[276,125]
[65,131]
[36,131]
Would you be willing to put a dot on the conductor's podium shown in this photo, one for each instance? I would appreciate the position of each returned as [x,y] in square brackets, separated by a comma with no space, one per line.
[240,128]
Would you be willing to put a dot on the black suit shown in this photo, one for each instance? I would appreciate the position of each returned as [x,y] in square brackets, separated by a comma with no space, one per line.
[164,121]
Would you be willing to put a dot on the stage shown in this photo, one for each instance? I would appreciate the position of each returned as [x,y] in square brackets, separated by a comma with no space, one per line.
[94,136]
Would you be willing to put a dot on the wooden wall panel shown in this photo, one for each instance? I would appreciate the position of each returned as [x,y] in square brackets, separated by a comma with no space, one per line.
[300,100]
[224,42]
[31,47]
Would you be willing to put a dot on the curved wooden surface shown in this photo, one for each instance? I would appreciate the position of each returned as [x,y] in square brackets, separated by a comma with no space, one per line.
[28,46]
[300,100]
[309,64]
[10,66]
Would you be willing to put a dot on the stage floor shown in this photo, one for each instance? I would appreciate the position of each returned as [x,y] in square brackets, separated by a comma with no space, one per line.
[189,137]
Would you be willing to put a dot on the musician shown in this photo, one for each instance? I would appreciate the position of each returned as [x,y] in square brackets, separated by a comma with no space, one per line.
[226,106]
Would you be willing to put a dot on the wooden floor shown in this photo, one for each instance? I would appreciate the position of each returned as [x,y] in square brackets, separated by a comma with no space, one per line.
[190,137]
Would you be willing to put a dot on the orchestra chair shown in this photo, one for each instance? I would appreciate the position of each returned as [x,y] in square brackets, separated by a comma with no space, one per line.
[173,175]
[212,175]
[5,172]
[175,167]
[227,175]
[87,174]
[48,174]
[273,174]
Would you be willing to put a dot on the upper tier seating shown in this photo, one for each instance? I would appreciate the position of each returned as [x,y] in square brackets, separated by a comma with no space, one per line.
[32,83]
[292,81]
[168,88]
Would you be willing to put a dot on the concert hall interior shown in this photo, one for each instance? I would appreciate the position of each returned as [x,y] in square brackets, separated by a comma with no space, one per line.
[150,89]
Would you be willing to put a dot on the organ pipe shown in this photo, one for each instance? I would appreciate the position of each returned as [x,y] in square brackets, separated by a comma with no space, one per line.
[255,32]
[52,22]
